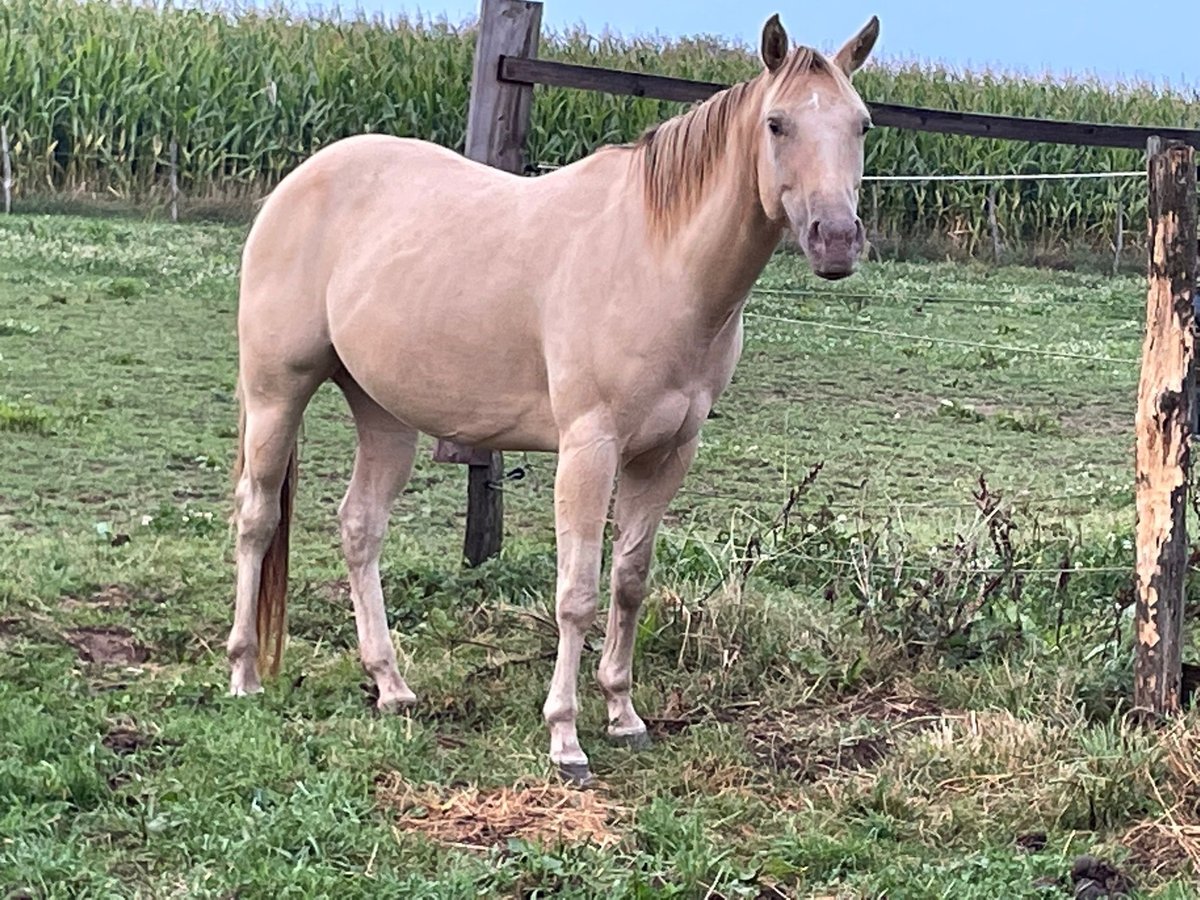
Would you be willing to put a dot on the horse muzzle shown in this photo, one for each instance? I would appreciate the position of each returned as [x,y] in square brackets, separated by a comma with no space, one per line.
[833,246]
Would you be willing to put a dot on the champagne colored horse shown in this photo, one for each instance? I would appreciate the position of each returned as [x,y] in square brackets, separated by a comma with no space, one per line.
[600,305]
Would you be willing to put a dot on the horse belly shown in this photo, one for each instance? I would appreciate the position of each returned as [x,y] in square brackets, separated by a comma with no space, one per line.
[449,368]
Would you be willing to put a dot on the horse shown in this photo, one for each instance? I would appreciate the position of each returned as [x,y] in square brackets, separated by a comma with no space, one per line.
[601,304]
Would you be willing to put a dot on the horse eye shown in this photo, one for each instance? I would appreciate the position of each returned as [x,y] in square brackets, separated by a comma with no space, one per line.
[775,126]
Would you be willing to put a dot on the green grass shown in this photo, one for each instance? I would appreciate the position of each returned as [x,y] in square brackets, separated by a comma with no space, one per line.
[95,91]
[872,698]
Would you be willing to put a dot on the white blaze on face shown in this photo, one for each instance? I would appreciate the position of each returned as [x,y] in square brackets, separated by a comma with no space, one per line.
[815,102]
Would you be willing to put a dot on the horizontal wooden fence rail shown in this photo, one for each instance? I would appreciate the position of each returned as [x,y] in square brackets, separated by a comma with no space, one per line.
[521,70]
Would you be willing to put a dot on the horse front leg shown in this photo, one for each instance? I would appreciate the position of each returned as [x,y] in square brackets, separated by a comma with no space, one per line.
[583,484]
[644,489]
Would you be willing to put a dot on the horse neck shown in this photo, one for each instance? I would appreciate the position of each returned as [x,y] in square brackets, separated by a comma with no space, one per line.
[725,244]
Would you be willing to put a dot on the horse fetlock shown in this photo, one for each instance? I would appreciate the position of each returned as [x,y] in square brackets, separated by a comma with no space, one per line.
[241,648]
[614,682]
[622,717]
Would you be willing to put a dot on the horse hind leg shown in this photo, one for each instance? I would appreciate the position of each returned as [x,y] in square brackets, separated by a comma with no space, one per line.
[266,459]
[382,465]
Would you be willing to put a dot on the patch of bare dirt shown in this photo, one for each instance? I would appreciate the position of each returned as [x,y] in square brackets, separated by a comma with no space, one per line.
[813,742]
[110,596]
[107,645]
[1032,841]
[542,813]
[790,744]
[1095,878]
[126,740]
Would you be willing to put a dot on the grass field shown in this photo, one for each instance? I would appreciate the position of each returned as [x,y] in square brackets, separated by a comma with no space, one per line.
[887,687]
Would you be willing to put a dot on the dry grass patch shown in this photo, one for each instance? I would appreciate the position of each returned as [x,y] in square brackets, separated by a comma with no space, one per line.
[997,774]
[1169,844]
[541,813]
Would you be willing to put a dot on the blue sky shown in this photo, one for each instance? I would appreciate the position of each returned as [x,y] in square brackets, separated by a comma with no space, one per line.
[1102,37]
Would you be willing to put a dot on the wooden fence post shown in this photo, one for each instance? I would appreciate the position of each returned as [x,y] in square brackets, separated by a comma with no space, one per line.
[993,225]
[1166,398]
[1119,240]
[7,163]
[497,124]
[174,181]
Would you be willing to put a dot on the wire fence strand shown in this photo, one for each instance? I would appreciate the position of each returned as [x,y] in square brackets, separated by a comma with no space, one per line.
[952,342]
[918,299]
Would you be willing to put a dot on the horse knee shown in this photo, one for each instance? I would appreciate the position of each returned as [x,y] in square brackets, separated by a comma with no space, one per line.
[576,607]
[378,661]
[629,576]
[241,646]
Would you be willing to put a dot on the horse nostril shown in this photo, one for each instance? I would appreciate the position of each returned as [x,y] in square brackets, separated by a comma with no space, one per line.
[839,233]
[814,233]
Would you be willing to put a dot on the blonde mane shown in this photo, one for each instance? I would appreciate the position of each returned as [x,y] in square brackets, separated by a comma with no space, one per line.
[680,155]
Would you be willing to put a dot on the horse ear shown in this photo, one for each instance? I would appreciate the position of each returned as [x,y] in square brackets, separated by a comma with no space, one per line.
[774,43]
[851,57]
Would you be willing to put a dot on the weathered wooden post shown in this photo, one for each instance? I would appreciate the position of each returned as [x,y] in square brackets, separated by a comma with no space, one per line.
[174,181]
[497,123]
[6,161]
[1119,239]
[1166,399]
[993,225]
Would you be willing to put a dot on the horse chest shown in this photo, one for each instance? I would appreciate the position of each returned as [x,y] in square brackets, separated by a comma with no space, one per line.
[667,406]
[665,419]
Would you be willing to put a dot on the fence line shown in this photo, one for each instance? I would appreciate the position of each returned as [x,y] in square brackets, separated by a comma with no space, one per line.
[900,335]
[533,71]
[898,297]
[1043,176]
[1012,176]
[848,506]
[983,570]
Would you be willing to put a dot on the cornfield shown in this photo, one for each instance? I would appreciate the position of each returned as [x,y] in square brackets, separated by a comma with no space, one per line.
[94,91]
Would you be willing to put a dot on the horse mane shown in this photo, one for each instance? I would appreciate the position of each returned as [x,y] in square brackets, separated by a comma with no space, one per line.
[680,154]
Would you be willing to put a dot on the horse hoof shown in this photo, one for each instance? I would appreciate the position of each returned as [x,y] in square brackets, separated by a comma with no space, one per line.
[576,774]
[245,689]
[634,740]
[396,705]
